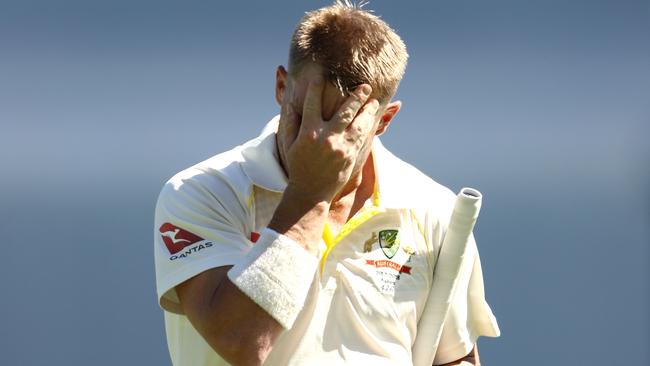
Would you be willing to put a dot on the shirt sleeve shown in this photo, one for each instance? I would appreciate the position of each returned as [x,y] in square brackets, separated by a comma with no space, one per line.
[469,316]
[200,224]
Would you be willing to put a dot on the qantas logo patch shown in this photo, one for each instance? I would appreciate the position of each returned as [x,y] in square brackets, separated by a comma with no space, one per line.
[176,238]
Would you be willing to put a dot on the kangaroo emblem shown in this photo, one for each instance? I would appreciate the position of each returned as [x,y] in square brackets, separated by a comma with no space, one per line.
[172,235]
[367,246]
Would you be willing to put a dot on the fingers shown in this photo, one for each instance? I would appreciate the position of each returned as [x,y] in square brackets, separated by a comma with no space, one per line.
[290,112]
[285,113]
[370,109]
[364,121]
[311,109]
[290,119]
[350,108]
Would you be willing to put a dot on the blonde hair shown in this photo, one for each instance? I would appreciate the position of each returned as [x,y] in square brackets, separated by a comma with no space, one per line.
[352,45]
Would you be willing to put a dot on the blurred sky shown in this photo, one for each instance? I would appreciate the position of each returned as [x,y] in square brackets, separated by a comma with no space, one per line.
[544,106]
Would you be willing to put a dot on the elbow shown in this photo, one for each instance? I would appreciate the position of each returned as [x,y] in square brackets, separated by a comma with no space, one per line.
[239,349]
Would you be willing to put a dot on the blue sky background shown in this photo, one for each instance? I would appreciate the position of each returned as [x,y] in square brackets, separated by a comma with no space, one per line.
[101,102]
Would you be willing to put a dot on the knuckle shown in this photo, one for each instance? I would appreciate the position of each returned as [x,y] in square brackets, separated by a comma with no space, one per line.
[359,144]
[343,177]
[311,136]
[346,115]
[358,128]
[357,95]
[338,154]
[361,96]
[330,144]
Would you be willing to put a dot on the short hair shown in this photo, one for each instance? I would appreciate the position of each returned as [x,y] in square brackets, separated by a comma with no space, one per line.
[353,45]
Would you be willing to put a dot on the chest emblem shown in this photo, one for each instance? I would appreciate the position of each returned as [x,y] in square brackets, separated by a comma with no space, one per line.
[389,242]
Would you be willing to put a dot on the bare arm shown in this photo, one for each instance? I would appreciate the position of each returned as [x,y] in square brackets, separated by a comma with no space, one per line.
[234,325]
[470,359]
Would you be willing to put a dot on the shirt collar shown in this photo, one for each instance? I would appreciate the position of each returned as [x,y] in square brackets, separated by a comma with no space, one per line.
[261,162]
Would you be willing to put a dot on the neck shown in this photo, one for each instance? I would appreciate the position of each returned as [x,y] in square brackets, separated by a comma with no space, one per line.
[353,195]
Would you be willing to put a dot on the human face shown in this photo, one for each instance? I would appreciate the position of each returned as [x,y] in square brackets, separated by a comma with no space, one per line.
[290,94]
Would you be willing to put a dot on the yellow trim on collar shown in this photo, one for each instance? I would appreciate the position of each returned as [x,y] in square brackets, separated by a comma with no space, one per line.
[359,218]
[251,198]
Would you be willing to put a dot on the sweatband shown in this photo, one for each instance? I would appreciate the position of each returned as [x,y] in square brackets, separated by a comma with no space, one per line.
[277,274]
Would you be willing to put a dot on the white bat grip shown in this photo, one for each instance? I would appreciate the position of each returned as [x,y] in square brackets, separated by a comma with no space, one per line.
[445,277]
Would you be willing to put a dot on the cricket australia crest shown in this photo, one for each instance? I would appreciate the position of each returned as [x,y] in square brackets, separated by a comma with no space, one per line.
[389,242]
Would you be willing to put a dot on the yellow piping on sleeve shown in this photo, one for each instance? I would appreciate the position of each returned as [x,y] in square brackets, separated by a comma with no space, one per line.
[420,228]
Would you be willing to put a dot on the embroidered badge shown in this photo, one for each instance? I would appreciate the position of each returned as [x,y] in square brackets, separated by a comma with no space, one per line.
[176,239]
[180,242]
[389,242]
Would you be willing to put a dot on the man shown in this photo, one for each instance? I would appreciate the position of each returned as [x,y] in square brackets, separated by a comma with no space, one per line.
[312,244]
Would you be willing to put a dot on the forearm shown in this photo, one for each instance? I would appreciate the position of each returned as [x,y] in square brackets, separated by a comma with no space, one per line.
[234,325]
[252,308]
[230,322]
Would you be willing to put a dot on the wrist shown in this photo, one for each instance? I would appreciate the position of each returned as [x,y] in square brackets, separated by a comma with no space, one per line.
[276,274]
[308,195]
[301,217]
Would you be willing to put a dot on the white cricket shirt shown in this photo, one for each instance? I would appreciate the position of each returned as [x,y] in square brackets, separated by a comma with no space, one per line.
[375,274]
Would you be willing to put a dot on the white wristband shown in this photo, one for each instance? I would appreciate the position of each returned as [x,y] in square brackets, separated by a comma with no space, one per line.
[277,274]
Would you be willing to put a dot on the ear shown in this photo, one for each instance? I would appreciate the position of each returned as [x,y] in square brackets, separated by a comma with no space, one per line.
[389,112]
[280,83]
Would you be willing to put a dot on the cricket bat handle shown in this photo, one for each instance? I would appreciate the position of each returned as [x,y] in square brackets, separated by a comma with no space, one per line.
[452,258]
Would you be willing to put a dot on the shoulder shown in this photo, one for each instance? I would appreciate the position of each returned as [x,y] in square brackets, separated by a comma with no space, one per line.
[215,186]
[408,187]
[223,184]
